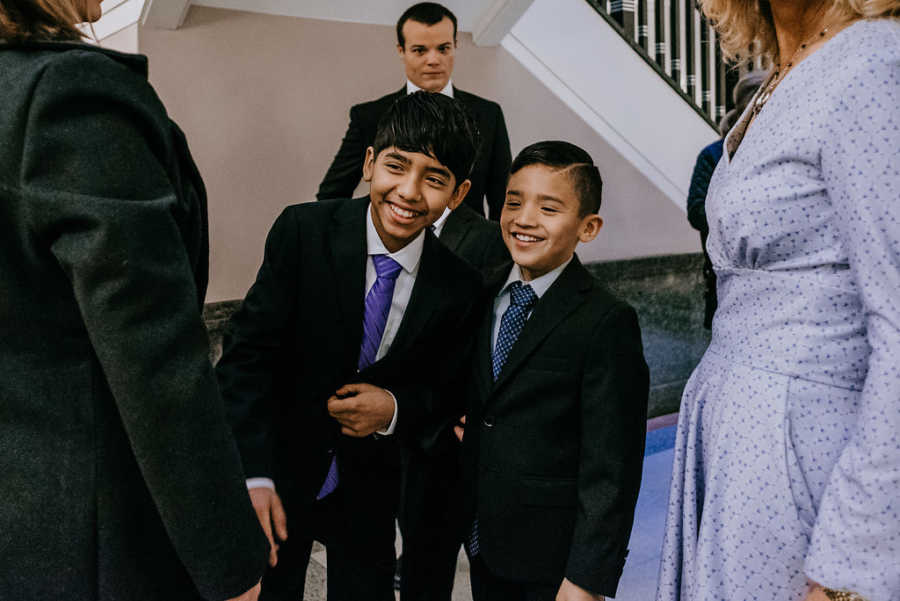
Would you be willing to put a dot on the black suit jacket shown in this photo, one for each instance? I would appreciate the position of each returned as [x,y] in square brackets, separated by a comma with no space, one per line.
[296,340]
[488,175]
[119,477]
[475,239]
[553,449]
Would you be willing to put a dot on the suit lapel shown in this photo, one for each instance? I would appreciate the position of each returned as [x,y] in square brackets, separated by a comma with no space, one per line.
[563,297]
[425,297]
[348,235]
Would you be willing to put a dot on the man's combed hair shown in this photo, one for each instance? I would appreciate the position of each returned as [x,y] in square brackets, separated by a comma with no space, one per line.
[574,161]
[38,20]
[432,124]
[427,13]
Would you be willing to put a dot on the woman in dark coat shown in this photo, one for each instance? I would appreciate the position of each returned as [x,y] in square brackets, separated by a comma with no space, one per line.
[119,478]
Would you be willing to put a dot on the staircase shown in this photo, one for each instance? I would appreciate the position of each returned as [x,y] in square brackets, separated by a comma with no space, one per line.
[656,111]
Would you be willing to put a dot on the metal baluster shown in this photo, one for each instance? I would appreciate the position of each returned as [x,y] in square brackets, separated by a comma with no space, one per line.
[721,94]
[622,11]
[675,41]
[689,66]
[660,34]
[643,29]
[706,95]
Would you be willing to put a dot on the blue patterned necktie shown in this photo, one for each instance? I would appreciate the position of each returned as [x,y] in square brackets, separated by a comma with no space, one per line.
[378,306]
[521,300]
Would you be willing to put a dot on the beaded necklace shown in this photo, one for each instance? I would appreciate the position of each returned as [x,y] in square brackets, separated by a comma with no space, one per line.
[778,75]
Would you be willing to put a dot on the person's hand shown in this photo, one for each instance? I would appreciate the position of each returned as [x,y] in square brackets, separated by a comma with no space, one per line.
[271,514]
[460,429]
[251,595]
[361,409]
[815,593]
[569,591]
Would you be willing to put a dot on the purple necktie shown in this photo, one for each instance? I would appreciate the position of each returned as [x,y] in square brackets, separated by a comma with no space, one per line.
[378,305]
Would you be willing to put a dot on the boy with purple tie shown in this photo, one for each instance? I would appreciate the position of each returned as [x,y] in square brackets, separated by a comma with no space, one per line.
[557,399]
[344,334]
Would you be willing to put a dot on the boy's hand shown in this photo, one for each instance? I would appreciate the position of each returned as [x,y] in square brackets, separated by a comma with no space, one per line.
[460,429]
[570,591]
[270,512]
[361,409]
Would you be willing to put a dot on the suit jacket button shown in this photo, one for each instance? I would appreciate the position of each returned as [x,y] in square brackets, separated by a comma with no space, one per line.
[488,421]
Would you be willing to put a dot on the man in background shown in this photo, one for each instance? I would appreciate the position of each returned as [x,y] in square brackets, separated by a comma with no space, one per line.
[426,43]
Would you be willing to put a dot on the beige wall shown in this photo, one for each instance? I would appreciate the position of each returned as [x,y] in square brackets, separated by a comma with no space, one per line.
[124,40]
[264,101]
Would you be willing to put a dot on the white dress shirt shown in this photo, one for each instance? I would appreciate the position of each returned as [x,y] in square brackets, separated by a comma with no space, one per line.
[438,226]
[540,285]
[409,258]
[447,91]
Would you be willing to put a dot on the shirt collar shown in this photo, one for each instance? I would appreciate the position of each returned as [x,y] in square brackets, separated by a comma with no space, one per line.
[408,257]
[439,224]
[540,285]
[447,91]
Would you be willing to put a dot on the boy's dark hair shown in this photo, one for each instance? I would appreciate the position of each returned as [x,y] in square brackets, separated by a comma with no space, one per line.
[575,161]
[427,13]
[433,124]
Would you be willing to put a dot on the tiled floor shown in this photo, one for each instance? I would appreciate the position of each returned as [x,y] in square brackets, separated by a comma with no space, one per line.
[638,581]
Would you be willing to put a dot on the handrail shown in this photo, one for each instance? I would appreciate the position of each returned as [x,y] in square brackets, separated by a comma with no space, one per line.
[677,50]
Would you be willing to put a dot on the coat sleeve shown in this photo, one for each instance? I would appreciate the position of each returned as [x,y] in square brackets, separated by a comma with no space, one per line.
[501,158]
[613,428]
[856,536]
[253,346]
[101,203]
[696,200]
[345,171]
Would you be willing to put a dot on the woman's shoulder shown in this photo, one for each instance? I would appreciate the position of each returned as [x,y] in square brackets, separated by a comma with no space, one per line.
[864,64]
[870,44]
[63,68]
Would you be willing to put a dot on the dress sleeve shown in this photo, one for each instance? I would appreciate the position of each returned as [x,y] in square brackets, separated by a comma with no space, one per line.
[101,203]
[856,538]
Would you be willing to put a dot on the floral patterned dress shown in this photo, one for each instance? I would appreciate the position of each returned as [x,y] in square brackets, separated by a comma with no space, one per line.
[787,459]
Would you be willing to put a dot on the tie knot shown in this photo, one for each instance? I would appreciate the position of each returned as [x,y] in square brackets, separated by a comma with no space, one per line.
[386,267]
[521,295]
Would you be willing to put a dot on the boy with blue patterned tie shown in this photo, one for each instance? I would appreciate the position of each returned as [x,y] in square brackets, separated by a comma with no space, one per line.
[344,334]
[557,399]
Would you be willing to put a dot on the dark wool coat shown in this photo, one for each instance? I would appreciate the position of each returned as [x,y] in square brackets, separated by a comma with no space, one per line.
[119,478]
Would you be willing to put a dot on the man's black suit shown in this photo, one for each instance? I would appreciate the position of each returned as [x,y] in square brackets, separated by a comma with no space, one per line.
[119,478]
[296,340]
[431,514]
[489,173]
[553,448]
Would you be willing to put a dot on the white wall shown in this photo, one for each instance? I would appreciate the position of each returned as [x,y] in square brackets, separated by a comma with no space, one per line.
[373,12]
[264,101]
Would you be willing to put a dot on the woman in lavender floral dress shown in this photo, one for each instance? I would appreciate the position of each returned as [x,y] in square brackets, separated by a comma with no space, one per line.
[786,481]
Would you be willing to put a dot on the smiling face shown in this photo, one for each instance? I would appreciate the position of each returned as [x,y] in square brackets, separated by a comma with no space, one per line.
[541,221]
[429,53]
[409,192]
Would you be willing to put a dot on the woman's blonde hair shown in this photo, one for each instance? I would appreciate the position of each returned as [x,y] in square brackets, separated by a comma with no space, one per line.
[39,20]
[745,26]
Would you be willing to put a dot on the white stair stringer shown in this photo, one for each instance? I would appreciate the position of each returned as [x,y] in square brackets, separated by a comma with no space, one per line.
[577,55]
